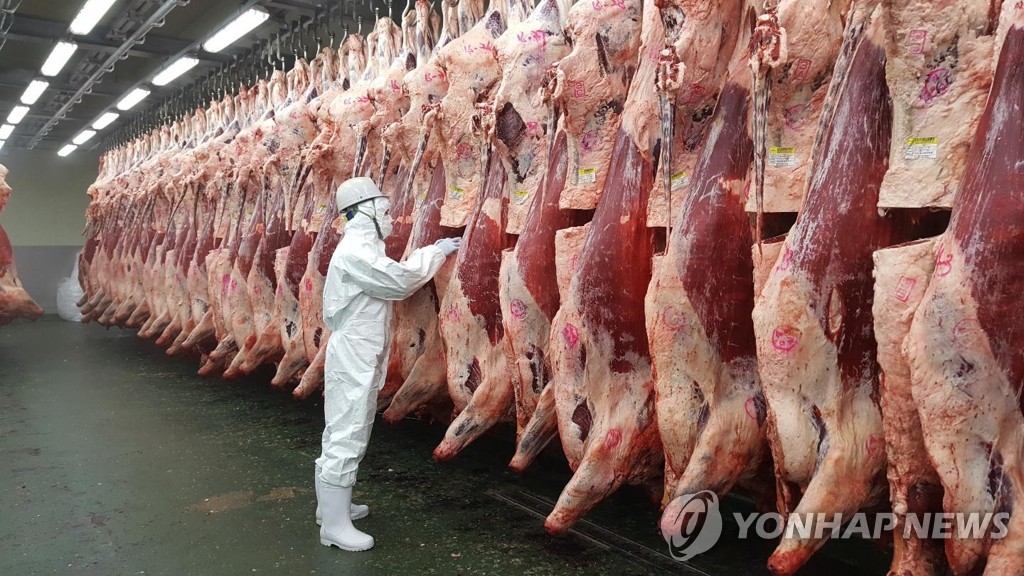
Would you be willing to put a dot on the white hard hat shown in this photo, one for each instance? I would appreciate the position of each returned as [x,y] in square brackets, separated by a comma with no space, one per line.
[356,190]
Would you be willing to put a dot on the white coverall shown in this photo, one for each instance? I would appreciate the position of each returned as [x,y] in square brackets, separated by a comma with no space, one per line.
[361,284]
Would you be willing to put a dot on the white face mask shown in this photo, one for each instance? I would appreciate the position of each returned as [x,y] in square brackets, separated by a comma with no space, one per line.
[382,209]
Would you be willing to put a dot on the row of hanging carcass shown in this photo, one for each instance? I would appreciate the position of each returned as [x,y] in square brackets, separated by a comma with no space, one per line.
[617,169]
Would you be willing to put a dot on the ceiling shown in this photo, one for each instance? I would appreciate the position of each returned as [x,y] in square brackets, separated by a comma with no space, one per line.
[30,28]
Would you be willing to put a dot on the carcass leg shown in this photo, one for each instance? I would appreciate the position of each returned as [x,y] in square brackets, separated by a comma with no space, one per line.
[843,482]
[426,383]
[541,429]
[313,378]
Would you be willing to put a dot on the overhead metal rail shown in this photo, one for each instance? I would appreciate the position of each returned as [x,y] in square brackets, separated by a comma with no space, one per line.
[154,21]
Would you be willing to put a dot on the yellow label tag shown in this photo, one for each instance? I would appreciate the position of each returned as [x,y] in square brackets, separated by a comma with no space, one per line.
[456,192]
[587,175]
[781,157]
[521,196]
[679,179]
[917,148]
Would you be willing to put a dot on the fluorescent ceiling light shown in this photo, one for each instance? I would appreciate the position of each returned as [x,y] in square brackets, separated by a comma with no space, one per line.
[67,150]
[17,114]
[237,28]
[5,131]
[133,98]
[2,142]
[105,120]
[83,137]
[89,15]
[179,67]
[34,91]
[58,58]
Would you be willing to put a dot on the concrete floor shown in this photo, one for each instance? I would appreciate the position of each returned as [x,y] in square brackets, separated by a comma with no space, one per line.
[119,460]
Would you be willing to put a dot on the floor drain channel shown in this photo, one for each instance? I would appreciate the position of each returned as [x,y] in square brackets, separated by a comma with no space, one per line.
[601,537]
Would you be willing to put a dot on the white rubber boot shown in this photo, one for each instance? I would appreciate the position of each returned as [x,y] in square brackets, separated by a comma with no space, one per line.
[359,511]
[337,529]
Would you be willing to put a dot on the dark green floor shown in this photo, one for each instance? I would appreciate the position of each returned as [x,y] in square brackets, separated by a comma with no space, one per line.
[115,459]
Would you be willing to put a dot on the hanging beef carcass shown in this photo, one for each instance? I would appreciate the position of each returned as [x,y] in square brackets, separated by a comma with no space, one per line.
[602,381]
[216,175]
[710,29]
[481,381]
[525,53]
[938,68]
[964,346]
[277,167]
[471,70]
[15,302]
[526,124]
[901,276]
[285,171]
[417,368]
[314,189]
[798,88]
[250,154]
[812,321]
[470,320]
[189,164]
[590,88]
[710,408]
[341,114]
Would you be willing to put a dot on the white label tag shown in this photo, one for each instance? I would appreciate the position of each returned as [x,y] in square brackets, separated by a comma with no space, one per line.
[917,148]
[782,157]
[587,176]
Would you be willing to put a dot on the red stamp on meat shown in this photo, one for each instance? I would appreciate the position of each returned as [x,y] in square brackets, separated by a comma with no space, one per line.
[943,262]
[786,338]
[801,70]
[965,330]
[309,285]
[750,407]
[936,83]
[785,261]
[612,439]
[579,90]
[464,151]
[875,445]
[916,40]
[672,318]
[904,288]
[517,309]
[571,335]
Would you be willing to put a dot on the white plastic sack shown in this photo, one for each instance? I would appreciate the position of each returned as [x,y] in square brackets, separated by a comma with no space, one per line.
[69,292]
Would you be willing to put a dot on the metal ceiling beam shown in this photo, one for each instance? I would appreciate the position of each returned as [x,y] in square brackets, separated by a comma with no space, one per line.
[308,6]
[154,21]
[42,31]
[20,77]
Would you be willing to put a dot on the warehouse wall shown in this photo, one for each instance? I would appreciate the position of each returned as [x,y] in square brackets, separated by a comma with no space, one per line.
[46,215]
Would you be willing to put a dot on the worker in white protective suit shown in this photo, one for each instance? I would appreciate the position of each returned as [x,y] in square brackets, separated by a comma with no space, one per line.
[361,285]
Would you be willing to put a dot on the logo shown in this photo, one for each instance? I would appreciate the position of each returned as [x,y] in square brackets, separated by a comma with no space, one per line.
[692,524]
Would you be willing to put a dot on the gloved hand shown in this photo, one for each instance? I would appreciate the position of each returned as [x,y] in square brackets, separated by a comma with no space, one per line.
[449,245]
